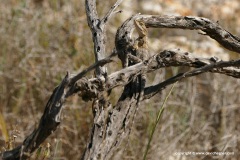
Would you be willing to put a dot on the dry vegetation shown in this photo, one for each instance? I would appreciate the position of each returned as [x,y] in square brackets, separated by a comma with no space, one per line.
[42,39]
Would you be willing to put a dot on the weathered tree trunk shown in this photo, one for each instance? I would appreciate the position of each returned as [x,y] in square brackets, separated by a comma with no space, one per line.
[113,123]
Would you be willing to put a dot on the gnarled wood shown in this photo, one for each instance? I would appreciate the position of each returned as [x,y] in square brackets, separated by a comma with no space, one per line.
[112,124]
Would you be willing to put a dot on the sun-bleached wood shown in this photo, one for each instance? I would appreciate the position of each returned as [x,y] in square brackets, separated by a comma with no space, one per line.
[112,123]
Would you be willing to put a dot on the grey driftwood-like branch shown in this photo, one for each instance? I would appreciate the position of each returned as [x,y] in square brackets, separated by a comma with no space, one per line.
[111,123]
[98,29]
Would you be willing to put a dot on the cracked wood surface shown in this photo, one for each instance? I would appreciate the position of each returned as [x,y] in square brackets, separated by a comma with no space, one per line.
[98,29]
[111,124]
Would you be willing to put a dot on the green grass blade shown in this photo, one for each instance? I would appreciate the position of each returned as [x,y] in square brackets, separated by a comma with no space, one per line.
[157,120]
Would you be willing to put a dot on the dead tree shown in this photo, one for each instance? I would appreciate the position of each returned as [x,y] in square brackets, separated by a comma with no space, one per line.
[112,123]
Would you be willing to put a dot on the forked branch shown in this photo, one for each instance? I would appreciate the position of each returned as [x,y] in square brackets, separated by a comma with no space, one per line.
[111,124]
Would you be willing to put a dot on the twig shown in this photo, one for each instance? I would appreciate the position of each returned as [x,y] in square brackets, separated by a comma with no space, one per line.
[111,12]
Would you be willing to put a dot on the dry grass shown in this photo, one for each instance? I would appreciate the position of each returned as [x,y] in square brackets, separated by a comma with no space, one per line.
[41,40]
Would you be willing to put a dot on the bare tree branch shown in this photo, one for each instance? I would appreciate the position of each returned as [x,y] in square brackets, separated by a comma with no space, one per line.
[217,67]
[89,89]
[98,30]
[212,29]
[98,35]
[118,118]
[48,124]
[111,124]
[101,62]
[110,12]
[180,58]
[163,59]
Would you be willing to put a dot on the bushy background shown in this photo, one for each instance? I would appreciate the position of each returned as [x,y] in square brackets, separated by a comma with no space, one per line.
[40,40]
